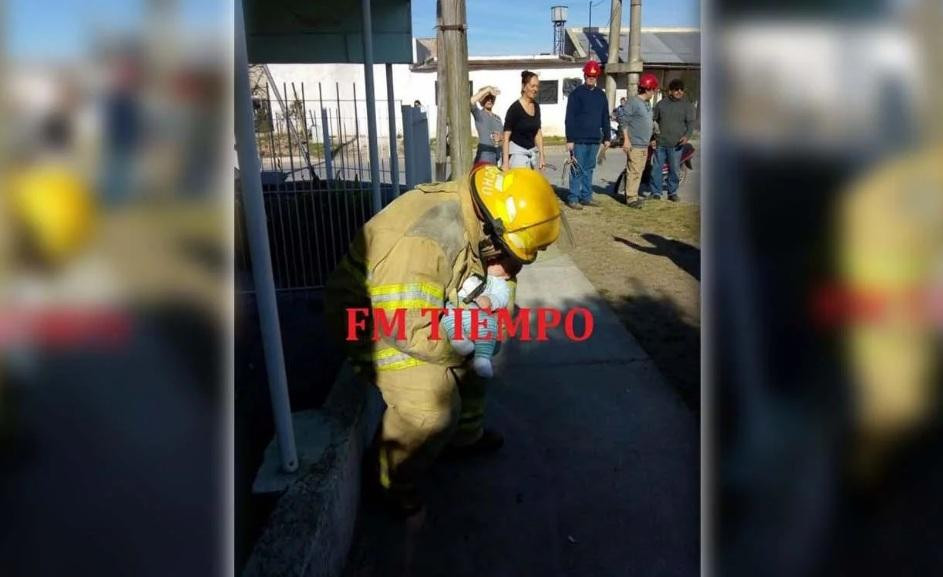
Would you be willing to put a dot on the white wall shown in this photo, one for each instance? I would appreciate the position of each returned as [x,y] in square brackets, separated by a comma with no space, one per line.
[409,86]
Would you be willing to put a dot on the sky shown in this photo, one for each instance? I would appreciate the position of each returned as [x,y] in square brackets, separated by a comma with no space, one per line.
[40,29]
[520,27]
[54,29]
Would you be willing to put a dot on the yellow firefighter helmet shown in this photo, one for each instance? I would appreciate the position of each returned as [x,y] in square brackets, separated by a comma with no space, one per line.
[520,209]
[52,207]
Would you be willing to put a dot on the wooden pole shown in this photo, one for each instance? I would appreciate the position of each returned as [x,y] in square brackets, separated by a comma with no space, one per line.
[635,45]
[615,40]
[456,49]
[441,123]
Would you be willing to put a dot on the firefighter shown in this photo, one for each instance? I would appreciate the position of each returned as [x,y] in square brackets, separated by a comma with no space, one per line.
[416,254]
[51,214]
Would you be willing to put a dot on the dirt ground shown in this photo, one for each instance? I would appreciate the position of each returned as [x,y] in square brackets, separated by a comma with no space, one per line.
[646,264]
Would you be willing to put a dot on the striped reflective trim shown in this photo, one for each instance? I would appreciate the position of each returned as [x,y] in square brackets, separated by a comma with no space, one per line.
[390,359]
[431,289]
[407,296]
[407,304]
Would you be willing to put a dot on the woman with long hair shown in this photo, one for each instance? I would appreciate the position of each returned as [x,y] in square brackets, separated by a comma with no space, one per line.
[523,144]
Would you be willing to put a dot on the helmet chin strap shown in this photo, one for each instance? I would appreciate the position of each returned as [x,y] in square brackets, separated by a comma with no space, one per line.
[489,250]
[495,227]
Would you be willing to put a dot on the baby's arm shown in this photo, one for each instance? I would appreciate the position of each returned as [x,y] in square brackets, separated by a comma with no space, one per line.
[497,294]
[483,302]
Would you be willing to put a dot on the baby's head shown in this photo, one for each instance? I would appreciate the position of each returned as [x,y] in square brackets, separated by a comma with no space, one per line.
[502,267]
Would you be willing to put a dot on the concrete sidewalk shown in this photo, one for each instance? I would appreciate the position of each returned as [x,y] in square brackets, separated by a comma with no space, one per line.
[599,475]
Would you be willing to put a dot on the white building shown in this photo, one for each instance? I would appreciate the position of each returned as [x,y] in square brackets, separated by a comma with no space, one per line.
[668,52]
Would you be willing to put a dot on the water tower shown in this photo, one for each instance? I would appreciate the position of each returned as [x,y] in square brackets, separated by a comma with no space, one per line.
[558,17]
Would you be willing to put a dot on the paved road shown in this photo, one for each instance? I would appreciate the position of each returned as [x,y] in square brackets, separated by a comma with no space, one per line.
[599,475]
[605,176]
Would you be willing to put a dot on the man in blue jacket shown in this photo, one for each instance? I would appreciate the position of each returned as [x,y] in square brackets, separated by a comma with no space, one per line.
[587,124]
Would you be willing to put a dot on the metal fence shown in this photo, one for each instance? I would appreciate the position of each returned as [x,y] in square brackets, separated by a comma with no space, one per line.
[315,180]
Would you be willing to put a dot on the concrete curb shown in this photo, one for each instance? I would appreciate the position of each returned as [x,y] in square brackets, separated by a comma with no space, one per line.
[309,534]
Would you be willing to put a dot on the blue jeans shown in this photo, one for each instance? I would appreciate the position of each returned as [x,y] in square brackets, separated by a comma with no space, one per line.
[672,155]
[581,185]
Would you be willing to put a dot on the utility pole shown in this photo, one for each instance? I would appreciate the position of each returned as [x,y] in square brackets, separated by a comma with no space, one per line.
[441,122]
[615,40]
[635,46]
[454,32]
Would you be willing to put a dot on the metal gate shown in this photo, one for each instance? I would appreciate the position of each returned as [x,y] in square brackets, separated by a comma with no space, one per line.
[315,180]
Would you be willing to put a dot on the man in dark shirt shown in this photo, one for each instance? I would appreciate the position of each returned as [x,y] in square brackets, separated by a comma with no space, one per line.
[675,118]
[587,124]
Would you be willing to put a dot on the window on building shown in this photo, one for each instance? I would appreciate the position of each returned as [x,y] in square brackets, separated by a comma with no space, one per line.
[547,93]
[569,85]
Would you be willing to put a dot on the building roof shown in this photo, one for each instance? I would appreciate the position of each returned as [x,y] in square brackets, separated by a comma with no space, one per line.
[660,46]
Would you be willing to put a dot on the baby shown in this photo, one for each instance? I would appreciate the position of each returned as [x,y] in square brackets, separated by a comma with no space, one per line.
[492,294]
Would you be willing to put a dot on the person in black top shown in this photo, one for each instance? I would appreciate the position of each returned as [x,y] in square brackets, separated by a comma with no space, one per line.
[523,145]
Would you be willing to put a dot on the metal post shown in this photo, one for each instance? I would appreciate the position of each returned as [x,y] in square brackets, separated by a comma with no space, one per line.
[394,153]
[371,105]
[328,151]
[257,231]
[635,45]
[615,41]
[416,146]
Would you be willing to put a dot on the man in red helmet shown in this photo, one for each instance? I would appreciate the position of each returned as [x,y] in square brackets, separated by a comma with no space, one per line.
[637,128]
[587,124]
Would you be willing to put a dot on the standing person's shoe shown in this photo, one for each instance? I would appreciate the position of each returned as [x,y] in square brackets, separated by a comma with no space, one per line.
[575,205]
[673,197]
[634,202]
[591,203]
[489,442]
[655,197]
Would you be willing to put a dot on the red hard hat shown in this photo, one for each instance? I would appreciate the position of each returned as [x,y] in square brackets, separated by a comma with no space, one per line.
[592,68]
[648,81]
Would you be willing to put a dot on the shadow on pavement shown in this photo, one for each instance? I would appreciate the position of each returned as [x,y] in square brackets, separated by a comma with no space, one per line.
[685,256]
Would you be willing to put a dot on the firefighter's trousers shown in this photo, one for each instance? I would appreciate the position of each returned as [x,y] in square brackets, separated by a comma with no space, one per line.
[428,407]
